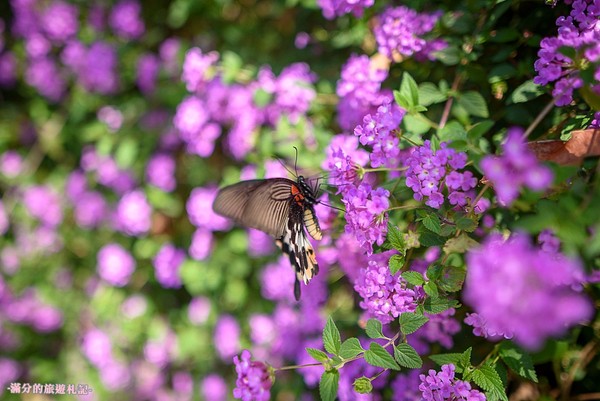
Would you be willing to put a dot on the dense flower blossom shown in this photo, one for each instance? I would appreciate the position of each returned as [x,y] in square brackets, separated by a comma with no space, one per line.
[202,244]
[196,67]
[344,157]
[125,19]
[8,69]
[517,167]
[44,75]
[199,310]
[227,337]
[111,116]
[510,284]
[96,347]
[192,122]
[336,8]
[384,296]
[277,281]
[134,306]
[59,21]
[481,328]
[200,212]
[167,263]
[43,203]
[442,385]
[579,32]
[214,388]
[9,372]
[400,30]
[115,265]
[148,67]
[253,379]
[359,89]
[440,328]
[160,172]
[549,242]
[366,214]
[595,122]
[429,172]
[134,213]
[378,131]
[96,67]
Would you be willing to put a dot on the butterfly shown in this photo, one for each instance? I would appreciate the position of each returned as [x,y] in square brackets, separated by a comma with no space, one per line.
[282,208]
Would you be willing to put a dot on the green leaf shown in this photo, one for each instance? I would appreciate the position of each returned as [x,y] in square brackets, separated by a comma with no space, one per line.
[395,238]
[438,305]
[409,89]
[488,379]
[126,153]
[317,354]
[446,359]
[232,65]
[479,129]
[432,223]
[453,131]
[464,361]
[450,55]
[328,386]
[407,356]
[402,101]
[460,244]
[350,348]
[431,289]
[331,337]
[453,278]
[474,104]
[374,329]
[428,238]
[466,223]
[376,355]
[414,278]
[396,263]
[518,360]
[411,322]
[526,92]
[429,94]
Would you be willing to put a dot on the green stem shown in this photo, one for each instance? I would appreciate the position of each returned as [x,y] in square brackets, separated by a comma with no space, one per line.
[292,367]
[539,118]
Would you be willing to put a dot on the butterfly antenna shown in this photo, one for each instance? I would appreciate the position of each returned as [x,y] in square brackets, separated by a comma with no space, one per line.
[296,161]
[285,167]
[333,207]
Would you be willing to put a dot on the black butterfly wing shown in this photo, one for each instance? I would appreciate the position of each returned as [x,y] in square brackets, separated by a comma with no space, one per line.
[260,204]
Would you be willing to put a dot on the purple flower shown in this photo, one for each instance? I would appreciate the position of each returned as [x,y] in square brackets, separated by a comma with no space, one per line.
[366,214]
[202,243]
[43,203]
[160,351]
[199,310]
[37,46]
[160,172]
[134,306]
[595,124]
[59,21]
[115,375]
[8,69]
[97,71]
[112,117]
[253,379]
[196,68]
[115,265]
[96,347]
[440,328]
[90,209]
[259,243]
[400,31]
[359,90]
[379,132]
[549,242]
[516,168]
[9,372]
[227,337]
[336,8]
[167,263]
[262,329]
[183,383]
[384,296]
[277,281]
[168,51]
[43,74]
[343,160]
[405,387]
[439,386]
[200,212]
[46,318]
[125,19]
[579,32]
[431,173]
[134,213]
[190,117]
[148,67]
[510,284]
[213,388]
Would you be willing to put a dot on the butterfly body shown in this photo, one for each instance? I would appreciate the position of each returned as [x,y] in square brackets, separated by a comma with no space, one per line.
[282,208]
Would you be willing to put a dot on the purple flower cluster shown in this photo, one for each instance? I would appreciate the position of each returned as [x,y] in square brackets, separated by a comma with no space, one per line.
[28,309]
[400,30]
[115,264]
[366,214]
[405,387]
[254,379]
[160,171]
[359,90]
[167,263]
[510,284]
[242,108]
[430,172]
[343,160]
[579,32]
[227,337]
[97,348]
[516,168]
[44,204]
[379,132]
[134,213]
[384,296]
[125,19]
[336,8]
[442,385]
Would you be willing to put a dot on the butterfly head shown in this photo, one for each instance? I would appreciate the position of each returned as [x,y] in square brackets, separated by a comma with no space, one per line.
[310,194]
